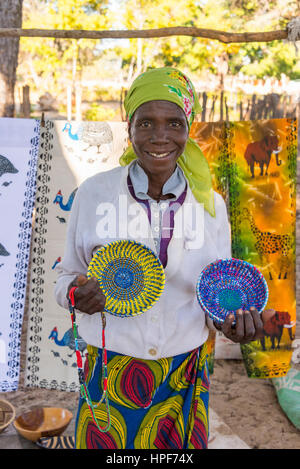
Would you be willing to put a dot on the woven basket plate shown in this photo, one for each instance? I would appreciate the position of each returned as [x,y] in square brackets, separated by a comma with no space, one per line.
[227,285]
[130,275]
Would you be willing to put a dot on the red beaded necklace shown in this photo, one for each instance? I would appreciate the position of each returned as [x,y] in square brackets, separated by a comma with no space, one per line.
[83,387]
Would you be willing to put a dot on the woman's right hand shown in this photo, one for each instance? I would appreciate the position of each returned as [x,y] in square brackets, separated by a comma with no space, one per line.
[88,296]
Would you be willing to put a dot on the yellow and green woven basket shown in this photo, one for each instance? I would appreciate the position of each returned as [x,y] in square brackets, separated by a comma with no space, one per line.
[130,275]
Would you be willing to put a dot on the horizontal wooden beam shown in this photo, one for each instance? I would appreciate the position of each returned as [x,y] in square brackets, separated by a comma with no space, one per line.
[221,36]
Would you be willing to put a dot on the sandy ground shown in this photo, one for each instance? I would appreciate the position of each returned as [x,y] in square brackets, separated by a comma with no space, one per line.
[249,407]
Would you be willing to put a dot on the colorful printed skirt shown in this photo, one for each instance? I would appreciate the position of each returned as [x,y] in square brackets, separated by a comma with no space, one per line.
[154,404]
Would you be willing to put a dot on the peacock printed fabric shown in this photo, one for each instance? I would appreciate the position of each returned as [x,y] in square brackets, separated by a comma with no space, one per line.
[70,152]
[253,166]
[19,144]
[154,404]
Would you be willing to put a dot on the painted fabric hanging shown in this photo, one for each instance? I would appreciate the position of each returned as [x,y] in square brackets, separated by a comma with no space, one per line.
[70,153]
[19,144]
[261,167]
[262,212]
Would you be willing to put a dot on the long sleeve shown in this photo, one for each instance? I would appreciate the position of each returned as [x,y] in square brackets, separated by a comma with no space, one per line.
[224,232]
[73,262]
[223,239]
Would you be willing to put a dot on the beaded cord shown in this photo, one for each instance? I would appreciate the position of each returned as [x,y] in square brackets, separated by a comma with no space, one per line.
[83,387]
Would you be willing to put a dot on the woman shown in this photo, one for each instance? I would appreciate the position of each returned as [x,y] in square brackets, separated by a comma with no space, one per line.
[157,374]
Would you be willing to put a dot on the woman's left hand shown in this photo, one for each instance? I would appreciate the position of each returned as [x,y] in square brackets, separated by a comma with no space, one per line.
[248,326]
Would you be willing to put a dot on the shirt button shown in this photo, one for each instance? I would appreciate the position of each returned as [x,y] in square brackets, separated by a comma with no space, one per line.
[152,351]
[156,214]
[156,228]
[154,319]
[164,205]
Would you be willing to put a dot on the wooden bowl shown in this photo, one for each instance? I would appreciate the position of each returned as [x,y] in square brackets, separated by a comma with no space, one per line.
[7,414]
[43,422]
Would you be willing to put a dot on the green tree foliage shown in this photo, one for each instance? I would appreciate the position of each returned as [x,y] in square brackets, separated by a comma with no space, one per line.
[53,62]
[263,59]
[202,55]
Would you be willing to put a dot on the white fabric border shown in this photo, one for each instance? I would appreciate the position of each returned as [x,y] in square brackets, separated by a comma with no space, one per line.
[19,143]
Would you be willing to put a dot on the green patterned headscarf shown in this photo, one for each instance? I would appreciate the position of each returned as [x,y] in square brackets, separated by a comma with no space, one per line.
[170,84]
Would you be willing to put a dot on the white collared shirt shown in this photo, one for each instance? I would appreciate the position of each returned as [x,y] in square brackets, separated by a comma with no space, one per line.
[176,323]
[174,186]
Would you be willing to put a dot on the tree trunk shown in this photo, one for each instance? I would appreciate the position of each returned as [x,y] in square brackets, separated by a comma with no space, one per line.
[10,17]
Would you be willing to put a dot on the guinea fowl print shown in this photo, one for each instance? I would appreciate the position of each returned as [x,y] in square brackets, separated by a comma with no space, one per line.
[68,340]
[91,133]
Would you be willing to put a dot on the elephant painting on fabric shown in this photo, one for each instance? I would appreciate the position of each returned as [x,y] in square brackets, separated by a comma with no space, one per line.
[274,324]
[260,152]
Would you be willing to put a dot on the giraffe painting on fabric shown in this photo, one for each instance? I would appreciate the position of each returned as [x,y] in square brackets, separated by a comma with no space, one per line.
[270,243]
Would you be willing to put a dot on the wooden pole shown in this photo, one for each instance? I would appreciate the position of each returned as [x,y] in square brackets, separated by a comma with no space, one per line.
[221,106]
[122,97]
[212,110]
[226,110]
[252,112]
[69,103]
[222,36]
[241,111]
[26,102]
[78,98]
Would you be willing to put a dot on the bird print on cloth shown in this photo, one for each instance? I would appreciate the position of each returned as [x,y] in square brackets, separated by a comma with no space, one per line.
[68,341]
[94,134]
[57,261]
[6,166]
[59,200]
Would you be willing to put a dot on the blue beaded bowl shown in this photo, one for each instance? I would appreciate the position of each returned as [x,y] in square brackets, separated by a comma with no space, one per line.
[227,285]
[130,275]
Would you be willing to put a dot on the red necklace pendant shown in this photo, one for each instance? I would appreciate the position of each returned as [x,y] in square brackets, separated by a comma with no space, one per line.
[84,389]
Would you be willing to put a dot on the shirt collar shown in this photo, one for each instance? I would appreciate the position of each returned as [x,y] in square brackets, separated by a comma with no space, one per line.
[175,185]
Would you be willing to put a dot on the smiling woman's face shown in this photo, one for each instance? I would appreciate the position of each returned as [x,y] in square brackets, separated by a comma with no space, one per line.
[158,133]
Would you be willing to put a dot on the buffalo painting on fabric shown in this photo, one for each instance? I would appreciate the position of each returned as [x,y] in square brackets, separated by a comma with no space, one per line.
[260,153]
